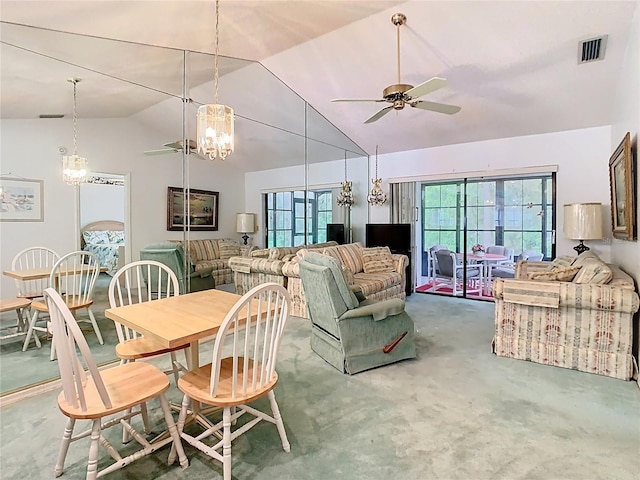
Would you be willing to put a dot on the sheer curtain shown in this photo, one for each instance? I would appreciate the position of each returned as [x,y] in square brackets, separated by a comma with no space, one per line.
[403,210]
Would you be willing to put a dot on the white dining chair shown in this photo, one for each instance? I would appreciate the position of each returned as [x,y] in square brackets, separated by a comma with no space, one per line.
[74,277]
[451,270]
[137,282]
[32,258]
[114,391]
[245,374]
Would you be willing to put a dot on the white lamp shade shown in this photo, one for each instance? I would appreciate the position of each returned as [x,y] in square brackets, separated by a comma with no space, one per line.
[245,223]
[583,221]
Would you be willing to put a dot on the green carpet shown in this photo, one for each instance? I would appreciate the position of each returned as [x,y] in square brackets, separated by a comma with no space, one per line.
[455,412]
[19,369]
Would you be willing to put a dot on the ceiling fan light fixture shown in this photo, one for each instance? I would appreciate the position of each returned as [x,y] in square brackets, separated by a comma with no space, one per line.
[74,167]
[215,122]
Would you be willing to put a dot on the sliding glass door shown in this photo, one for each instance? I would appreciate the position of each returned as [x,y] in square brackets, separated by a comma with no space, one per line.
[469,215]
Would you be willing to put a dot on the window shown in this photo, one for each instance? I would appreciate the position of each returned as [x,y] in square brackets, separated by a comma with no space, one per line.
[285,214]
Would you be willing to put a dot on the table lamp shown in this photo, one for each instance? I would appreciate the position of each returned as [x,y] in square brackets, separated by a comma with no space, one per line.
[583,221]
[245,223]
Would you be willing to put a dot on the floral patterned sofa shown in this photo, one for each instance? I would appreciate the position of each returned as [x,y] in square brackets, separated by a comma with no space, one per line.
[373,272]
[265,265]
[215,253]
[575,312]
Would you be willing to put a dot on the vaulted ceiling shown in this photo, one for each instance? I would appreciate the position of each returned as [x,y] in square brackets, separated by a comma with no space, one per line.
[512,66]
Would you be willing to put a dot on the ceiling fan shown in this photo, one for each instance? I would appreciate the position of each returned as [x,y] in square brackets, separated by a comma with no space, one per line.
[401,94]
[174,147]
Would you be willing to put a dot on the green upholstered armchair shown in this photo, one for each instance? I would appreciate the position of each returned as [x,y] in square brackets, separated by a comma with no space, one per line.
[349,334]
[172,255]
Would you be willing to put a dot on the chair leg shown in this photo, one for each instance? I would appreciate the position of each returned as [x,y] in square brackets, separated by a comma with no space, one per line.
[126,437]
[174,366]
[52,356]
[145,418]
[30,332]
[181,420]
[173,431]
[64,446]
[95,327]
[279,423]
[226,443]
[92,465]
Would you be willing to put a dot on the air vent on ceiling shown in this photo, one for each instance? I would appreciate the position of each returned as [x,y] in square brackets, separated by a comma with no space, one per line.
[592,49]
[51,115]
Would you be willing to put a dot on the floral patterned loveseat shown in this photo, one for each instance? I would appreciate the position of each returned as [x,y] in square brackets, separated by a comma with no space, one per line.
[575,312]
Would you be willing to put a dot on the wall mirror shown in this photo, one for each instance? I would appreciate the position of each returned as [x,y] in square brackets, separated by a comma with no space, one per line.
[134,99]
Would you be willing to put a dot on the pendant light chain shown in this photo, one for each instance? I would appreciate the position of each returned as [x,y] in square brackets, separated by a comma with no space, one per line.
[376,161]
[75,118]
[215,122]
[215,61]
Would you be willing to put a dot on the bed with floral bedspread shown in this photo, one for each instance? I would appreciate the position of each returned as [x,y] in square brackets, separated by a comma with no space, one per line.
[104,239]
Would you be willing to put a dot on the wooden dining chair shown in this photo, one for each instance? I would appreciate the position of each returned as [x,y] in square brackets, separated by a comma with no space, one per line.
[99,394]
[137,282]
[246,374]
[74,277]
[31,258]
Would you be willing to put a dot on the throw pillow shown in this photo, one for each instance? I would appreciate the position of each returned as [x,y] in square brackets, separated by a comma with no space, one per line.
[594,272]
[562,261]
[97,237]
[228,249]
[557,274]
[116,236]
[377,260]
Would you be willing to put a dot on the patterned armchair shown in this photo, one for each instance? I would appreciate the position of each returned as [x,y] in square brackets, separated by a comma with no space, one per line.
[172,255]
[349,334]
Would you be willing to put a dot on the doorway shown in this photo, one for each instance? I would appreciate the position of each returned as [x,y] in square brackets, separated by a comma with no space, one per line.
[466,219]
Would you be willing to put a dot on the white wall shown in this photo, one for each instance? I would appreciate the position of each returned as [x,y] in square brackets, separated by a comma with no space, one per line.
[30,149]
[580,155]
[99,201]
[326,174]
[626,113]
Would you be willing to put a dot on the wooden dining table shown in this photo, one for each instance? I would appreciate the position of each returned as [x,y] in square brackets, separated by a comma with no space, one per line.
[177,321]
[37,273]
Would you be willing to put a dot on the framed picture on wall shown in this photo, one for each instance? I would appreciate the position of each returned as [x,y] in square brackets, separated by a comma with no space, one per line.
[623,199]
[21,200]
[202,209]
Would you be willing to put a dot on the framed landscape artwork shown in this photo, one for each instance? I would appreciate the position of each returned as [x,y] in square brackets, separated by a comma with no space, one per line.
[21,200]
[623,199]
[202,209]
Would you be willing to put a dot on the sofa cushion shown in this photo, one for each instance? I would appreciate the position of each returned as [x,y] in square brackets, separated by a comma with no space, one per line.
[351,255]
[620,278]
[371,283]
[216,264]
[377,259]
[556,274]
[594,271]
[562,261]
[228,249]
[202,250]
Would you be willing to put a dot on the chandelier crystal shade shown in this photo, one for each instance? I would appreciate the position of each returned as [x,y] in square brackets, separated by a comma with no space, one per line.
[74,167]
[376,196]
[215,130]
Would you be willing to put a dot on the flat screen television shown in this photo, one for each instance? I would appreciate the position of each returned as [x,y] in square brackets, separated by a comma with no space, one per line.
[335,231]
[396,236]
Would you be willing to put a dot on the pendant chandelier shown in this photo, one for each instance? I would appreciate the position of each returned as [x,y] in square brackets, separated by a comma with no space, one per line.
[74,167]
[215,136]
[345,197]
[376,196]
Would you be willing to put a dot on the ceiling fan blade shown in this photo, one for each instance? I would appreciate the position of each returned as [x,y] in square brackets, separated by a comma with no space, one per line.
[429,86]
[436,107]
[379,114]
[161,151]
[358,100]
